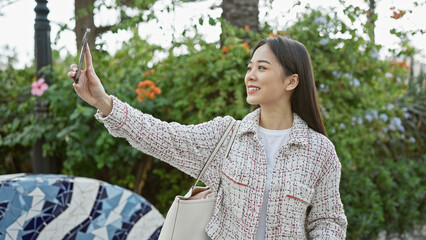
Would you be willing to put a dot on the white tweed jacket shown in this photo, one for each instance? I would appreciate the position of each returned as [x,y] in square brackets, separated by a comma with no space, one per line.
[304,200]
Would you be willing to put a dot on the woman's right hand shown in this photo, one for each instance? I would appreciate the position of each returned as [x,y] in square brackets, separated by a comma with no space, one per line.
[89,86]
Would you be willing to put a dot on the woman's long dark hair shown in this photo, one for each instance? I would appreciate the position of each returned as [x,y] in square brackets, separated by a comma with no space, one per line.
[294,58]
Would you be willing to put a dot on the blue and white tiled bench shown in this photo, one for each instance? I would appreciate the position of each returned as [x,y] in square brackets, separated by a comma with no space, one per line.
[56,207]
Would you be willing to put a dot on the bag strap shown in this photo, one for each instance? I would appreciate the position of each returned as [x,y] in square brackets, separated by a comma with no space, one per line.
[234,133]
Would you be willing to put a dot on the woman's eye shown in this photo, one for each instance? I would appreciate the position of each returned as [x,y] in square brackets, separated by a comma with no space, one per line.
[262,67]
[248,68]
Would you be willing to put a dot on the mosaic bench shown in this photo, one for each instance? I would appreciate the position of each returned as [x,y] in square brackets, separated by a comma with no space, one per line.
[44,206]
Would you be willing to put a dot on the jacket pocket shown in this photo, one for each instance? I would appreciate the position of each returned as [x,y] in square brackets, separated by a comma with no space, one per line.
[300,192]
[234,182]
[298,198]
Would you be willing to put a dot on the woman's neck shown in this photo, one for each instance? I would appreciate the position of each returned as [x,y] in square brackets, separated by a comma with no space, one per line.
[276,118]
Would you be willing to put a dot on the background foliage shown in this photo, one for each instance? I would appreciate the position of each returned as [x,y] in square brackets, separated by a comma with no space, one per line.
[374,112]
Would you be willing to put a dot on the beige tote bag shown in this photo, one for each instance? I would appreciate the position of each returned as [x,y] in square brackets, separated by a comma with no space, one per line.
[189,215]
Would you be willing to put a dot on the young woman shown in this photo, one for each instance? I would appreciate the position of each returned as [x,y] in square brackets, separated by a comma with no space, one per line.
[281,177]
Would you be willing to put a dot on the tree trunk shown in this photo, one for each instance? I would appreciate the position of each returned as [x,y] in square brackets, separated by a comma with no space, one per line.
[84,19]
[371,19]
[143,167]
[240,13]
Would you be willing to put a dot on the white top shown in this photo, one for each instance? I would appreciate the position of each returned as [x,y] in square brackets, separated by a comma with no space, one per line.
[272,140]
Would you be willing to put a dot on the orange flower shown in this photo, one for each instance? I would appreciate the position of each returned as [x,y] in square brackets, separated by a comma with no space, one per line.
[145,83]
[225,49]
[149,82]
[247,46]
[403,64]
[398,15]
[400,64]
[282,33]
[141,84]
[145,74]
[272,35]
[153,71]
[246,27]
[147,89]
[140,98]
[155,90]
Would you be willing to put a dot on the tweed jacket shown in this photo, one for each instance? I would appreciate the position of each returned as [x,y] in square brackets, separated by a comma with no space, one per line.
[304,200]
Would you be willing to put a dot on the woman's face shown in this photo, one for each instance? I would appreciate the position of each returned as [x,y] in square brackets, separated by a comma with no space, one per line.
[265,81]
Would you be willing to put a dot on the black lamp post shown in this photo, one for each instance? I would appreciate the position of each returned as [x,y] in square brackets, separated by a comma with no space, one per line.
[43,51]
[43,56]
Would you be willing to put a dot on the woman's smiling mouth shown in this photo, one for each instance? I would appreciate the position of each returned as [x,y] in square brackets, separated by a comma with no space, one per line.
[252,89]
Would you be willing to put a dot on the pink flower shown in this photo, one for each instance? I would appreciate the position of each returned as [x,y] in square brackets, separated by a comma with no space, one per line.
[38,88]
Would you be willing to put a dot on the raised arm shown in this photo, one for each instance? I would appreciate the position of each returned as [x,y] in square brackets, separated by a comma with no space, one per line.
[89,86]
[185,147]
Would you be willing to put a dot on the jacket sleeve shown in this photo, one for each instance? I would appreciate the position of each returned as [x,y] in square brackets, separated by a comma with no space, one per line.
[327,219]
[186,147]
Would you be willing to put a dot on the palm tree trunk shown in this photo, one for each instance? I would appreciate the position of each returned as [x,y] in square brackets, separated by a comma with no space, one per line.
[240,13]
[84,19]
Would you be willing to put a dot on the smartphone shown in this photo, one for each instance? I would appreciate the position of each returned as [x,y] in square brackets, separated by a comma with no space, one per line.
[83,49]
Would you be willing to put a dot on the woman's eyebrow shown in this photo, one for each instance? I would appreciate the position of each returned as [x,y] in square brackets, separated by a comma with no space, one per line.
[262,61]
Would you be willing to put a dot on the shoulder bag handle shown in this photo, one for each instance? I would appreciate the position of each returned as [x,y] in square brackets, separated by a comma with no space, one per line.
[234,123]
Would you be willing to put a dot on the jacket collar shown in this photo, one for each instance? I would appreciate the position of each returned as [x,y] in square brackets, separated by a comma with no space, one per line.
[300,132]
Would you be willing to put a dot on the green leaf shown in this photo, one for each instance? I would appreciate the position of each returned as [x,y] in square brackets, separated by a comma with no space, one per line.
[212,22]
